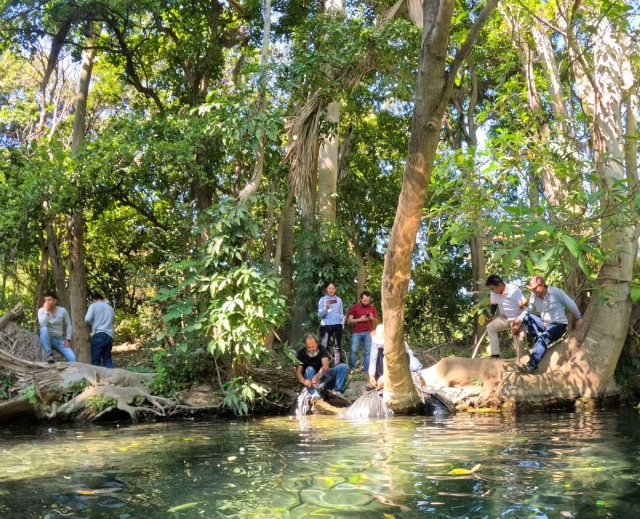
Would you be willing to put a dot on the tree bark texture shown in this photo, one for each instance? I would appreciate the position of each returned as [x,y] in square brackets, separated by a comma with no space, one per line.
[433,90]
[77,271]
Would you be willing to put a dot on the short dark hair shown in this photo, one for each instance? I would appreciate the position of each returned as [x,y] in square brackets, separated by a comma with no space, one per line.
[50,293]
[494,280]
[365,293]
[96,296]
[329,283]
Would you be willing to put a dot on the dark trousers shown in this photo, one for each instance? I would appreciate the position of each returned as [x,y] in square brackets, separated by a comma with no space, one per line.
[542,337]
[101,344]
[334,330]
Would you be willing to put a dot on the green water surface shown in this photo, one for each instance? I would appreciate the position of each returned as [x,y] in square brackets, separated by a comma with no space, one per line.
[549,465]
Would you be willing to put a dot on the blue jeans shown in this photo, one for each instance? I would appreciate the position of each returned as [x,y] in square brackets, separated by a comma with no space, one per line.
[356,339]
[334,379]
[542,336]
[57,342]
[101,344]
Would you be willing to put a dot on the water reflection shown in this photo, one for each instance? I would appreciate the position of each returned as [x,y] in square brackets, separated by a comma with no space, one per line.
[569,465]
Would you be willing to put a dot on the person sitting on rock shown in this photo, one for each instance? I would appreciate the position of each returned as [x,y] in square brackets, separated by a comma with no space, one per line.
[509,299]
[376,361]
[550,302]
[55,328]
[314,368]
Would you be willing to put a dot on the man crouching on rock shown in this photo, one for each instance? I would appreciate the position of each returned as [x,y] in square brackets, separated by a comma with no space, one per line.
[314,368]
[55,328]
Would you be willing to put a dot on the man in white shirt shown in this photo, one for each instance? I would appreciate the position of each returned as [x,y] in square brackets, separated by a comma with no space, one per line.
[552,322]
[509,299]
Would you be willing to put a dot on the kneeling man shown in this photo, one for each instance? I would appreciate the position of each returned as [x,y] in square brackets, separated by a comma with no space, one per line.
[314,368]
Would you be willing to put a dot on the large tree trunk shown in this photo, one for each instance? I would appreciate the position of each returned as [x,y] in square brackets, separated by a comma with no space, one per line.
[433,91]
[77,271]
[328,159]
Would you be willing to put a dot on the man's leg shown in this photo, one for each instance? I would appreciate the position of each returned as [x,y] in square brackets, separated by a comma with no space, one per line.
[106,352]
[45,341]
[520,341]
[534,326]
[67,353]
[497,324]
[355,343]
[336,378]
[96,350]
[552,333]
[367,351]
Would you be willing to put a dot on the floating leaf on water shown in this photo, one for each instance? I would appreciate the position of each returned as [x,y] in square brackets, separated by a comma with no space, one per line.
[86,492]
[188,439]
[389,516]
[463,472]
[66,477]
[232,458]
[182,507]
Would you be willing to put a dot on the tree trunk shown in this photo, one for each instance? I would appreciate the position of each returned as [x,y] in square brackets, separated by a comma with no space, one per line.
[362,270]
[254,183]
[57,266]
[77,271]
[328,159]
[433,91]
[43,271]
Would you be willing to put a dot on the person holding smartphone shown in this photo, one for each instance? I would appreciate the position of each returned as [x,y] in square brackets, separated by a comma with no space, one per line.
[331,313]
[364,318]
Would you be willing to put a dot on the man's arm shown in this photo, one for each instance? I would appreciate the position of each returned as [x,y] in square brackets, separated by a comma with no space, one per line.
[42,317]
[88,319]
[300,378]
[66,320]
[572,306]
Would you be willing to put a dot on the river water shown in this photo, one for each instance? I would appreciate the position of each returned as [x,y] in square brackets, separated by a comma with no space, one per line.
[582,465]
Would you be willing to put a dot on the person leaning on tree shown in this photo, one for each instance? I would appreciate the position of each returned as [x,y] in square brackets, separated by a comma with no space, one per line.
[55,328]
[314,368]
[547,328]
[364,318]
[509,299]
[331,313]
[100,317]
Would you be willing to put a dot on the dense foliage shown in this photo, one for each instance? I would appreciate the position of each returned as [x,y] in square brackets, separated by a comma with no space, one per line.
[181,110]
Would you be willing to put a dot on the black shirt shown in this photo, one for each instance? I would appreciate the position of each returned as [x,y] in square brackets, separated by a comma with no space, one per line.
[314,362]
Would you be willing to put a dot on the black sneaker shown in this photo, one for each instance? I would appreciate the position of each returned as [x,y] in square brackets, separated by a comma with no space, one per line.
[50,359]
[495,356]
[524,369]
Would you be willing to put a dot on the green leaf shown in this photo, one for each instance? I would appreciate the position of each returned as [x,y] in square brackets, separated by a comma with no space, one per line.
[571,244]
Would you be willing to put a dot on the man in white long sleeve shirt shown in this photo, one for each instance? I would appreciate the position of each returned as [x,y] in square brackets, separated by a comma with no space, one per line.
[509,299]
[55,328]
[100,317]
[550,302]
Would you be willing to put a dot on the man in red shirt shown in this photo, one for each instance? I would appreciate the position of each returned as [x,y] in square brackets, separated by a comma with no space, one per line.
[364,318]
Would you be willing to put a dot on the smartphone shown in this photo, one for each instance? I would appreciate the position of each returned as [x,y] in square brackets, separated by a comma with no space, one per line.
[332,301]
